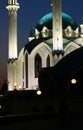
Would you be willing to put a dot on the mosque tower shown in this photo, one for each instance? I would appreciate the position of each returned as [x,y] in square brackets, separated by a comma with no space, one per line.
[12,8]
[57,26]
[81,29]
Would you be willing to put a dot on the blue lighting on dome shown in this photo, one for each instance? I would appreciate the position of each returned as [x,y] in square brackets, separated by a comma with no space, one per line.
[46,18]
[47,21]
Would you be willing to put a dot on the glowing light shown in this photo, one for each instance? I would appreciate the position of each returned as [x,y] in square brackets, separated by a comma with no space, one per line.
[1,95]
[0,106]
[15,84]
[38,92]
[73,81]
[20,87]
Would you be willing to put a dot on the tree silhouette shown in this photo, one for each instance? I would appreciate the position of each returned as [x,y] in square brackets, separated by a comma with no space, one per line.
[4,87]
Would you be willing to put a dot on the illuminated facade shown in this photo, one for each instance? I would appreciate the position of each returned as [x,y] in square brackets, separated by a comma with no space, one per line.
[47,37]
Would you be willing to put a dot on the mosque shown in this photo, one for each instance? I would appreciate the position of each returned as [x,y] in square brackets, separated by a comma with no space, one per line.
[54,36]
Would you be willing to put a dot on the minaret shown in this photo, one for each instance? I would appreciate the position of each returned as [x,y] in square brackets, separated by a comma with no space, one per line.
[57,26]
[81,29]
[12,8]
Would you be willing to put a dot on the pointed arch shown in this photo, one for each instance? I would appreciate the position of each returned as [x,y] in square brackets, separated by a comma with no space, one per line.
[48,61]
[38,65]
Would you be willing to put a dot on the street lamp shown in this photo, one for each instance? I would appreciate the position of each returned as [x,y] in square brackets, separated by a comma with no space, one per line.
[38,92]
[73,81]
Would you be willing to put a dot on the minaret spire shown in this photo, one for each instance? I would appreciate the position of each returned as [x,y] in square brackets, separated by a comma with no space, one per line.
[12,8]
[81,28]
[57,25]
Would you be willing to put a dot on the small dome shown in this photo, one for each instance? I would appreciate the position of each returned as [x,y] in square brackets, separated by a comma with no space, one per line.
[47,21]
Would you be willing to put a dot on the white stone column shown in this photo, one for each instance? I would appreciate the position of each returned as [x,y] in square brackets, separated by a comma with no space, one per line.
[12,8]
[57,25]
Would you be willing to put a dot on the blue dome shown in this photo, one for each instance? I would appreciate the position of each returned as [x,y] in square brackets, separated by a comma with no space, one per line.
[47,21]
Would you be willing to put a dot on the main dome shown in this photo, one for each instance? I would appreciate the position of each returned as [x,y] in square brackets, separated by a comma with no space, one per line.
[47,21]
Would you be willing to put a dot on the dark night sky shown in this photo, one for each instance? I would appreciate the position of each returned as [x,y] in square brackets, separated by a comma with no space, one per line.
[29,14]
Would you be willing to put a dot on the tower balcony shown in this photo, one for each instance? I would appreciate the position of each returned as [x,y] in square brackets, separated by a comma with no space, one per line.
[14,7]
[58,52]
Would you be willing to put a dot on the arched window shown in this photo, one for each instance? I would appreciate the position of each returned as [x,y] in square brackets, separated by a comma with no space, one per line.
[26,70]
[38,65]
[48,61]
